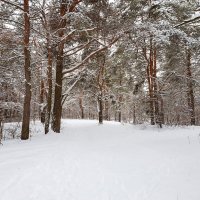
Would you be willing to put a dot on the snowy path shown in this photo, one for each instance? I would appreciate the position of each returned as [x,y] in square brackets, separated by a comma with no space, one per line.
[109,162]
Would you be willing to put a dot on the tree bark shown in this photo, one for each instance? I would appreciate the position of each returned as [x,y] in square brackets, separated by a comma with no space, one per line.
[81,104]
[57,108]
[42,107]
[151,84]
[157,97]
[134,114]
[120,107]
[27,71]
[100,96]
[100,104]
[49,97]
[106,116]
[190,91]
[1,124]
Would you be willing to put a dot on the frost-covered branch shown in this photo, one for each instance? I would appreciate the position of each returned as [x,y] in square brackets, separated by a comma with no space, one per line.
[91,55]
[13,4]
[188,21]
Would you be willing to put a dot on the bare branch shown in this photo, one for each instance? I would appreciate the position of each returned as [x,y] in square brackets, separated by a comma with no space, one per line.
[78,48]
[22,25]
[13,4]
[91,55]
[188,21]
[73,5]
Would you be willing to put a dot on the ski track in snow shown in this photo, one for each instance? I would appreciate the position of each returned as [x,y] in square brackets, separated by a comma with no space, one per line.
[108,162]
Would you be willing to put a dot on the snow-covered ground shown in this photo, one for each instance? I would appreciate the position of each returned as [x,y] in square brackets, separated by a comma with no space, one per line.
[107,162]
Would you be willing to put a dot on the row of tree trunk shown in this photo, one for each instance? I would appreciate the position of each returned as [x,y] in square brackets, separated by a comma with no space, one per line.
[156,107]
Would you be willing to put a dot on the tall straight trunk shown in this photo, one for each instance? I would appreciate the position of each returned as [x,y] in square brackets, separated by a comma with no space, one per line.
[190,91]
[57,108]
[42,108]
[34,109]
[120,97]
[100,105]
[81,104]
[119,116]
[49,97]
[155,88]
[134,114]
[101,84]
[1,124]
[151,84]
[119,111]
[100,96]
[162,114]
[106,116]
[27,71]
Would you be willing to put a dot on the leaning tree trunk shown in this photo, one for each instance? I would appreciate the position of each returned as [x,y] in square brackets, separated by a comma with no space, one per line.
[190,91]
[57,108]
[27,70]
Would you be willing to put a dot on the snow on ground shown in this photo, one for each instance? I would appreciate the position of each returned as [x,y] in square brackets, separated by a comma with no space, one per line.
[107,162]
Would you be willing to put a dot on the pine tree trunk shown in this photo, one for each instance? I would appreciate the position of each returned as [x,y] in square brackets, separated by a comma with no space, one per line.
[134,114]
[120,112]
[190,91]
[100,104]
[155,88]
[49,97]
[27,70]
[42,108]
[162,114]
[101,84]
[1,125]
[106,117]
[57,108]
[151,85]
[81,104]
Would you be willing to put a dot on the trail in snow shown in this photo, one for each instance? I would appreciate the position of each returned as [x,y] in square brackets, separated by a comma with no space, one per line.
[109,162]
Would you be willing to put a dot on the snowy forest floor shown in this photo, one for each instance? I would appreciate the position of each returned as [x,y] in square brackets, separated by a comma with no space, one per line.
[107,162]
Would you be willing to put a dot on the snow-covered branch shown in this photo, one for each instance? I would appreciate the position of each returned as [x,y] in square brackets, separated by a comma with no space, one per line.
[13,4]
[188,21]
[91,55]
